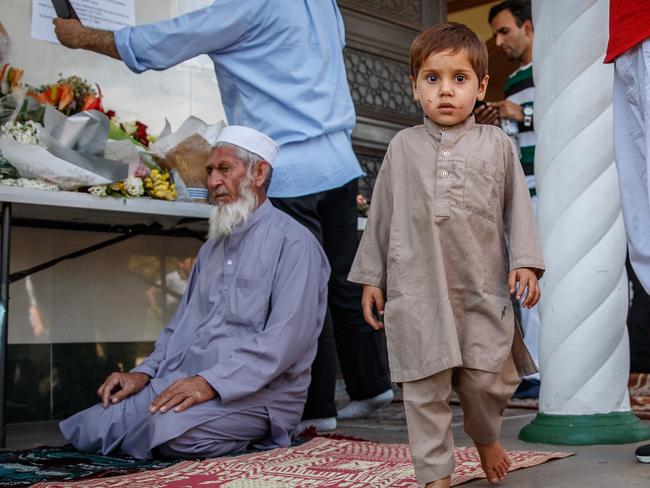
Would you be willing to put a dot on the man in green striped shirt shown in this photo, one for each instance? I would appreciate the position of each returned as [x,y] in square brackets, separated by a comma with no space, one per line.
[519,89]
[512,25]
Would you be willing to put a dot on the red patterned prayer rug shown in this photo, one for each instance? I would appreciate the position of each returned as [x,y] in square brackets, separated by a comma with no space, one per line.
[321,462]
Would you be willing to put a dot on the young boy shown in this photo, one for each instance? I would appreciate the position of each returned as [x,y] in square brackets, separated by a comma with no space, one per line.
[450,234]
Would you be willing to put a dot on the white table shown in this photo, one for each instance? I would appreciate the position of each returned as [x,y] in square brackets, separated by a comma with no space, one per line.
[81,211]
[83,208]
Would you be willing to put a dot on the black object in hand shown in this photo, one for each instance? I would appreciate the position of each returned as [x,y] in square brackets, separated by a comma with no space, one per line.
[378,316]
[64,9]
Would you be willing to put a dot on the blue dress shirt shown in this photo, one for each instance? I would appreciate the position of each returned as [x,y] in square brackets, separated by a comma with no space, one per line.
[280,70]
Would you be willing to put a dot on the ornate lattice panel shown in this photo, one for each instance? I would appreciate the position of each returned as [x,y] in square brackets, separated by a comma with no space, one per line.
[370,165]
[406,10]
[381,87]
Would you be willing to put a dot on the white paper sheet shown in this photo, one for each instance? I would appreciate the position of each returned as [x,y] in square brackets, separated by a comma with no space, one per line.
[99,14]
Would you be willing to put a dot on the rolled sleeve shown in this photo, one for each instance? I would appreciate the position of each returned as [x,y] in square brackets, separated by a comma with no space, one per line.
[209,30]
[123,45]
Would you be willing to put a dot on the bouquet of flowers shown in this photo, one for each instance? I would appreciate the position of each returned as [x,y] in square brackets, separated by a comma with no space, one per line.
[154,183]
[135,131]
[39,145]
[184,152]
[69,95]
[27,133]
[14,105]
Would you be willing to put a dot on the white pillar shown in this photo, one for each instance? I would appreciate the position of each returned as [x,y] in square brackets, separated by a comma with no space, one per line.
[584,350]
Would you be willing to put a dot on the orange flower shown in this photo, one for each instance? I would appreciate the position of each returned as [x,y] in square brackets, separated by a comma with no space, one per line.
[43,97]
[53,93]
[14,77]
[66,96]
[10,78]
[92,102]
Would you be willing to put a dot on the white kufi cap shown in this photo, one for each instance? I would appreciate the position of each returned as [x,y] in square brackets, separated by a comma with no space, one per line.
[251,140]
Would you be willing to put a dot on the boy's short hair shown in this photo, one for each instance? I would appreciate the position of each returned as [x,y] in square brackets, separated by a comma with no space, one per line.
[449,36]
[520,10]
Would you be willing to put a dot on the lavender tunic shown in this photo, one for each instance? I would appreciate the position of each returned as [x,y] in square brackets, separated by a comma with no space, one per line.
[248,324]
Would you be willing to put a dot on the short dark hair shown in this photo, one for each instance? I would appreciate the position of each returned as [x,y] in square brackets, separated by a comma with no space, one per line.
[449,36]
[520,10]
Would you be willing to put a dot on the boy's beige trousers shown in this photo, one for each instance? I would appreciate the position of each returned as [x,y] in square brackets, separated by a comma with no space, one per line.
[483,397]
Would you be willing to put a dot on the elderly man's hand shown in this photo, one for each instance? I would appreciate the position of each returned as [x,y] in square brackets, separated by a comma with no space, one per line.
[70,32]
[182,394]
[126,384]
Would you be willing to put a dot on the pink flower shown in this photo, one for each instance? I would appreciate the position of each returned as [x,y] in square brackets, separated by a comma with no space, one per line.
[141,171]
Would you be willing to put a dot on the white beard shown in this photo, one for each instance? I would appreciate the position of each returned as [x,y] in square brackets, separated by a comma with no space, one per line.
[226,216]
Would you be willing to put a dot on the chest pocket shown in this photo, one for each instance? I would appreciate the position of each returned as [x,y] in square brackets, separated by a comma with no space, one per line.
[481,190]
[248,303]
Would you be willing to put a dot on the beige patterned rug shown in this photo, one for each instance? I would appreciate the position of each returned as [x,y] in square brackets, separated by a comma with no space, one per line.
[321,462]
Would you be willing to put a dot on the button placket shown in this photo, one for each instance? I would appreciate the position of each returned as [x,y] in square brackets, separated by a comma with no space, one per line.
[229,269]
[443,180]
[228,273]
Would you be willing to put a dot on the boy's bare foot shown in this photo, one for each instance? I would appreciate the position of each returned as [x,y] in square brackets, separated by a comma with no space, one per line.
[494,460]
[443,483]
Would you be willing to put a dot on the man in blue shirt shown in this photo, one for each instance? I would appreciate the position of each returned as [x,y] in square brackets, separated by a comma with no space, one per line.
[280,70]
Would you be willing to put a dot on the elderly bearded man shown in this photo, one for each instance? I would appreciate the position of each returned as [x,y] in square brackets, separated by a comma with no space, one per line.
[232,368]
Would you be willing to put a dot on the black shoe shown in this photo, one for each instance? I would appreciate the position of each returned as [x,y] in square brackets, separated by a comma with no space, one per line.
[527,389]
[643,454]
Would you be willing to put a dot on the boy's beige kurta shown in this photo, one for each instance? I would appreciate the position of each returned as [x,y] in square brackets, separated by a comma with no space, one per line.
[450,217]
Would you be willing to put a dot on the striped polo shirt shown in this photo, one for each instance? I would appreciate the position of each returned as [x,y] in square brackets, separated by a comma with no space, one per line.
[520,89]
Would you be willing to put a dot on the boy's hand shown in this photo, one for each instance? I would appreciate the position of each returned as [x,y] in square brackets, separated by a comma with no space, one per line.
[526,278]
[373,298]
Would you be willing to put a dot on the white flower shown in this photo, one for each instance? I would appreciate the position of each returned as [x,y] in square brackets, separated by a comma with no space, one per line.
[98,190]
[38,183]
[133,186]
[27,133]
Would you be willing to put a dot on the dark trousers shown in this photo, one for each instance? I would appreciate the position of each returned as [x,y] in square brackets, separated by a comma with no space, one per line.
[332,217]
[638,325]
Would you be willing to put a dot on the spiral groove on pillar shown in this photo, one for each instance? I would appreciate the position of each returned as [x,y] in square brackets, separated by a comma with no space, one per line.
[584,351]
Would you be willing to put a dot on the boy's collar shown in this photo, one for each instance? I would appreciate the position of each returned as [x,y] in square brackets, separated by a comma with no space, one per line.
[436,130]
